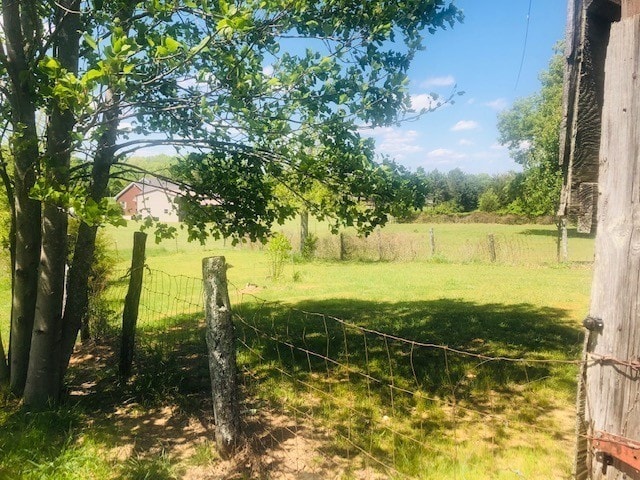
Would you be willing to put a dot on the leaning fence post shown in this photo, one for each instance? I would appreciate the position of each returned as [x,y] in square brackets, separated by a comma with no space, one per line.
[492,247]
[131,304]
[222,355]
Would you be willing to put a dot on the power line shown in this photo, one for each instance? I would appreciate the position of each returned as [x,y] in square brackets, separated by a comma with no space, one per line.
[524,46]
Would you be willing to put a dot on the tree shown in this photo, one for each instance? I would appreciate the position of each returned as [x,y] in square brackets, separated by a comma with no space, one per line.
[227,81]
[531,131]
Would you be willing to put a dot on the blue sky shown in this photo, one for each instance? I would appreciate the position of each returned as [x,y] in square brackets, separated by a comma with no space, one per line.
[482,57]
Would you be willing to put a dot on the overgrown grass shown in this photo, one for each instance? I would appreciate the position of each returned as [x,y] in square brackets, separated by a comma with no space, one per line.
[447,416]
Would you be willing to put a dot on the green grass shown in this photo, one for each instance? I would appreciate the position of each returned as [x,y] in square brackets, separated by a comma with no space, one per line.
[447,416]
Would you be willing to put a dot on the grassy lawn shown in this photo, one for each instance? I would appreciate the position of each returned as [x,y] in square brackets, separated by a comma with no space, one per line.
[428,412]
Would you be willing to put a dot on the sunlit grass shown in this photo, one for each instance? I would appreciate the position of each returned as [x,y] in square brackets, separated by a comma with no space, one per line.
[492,420]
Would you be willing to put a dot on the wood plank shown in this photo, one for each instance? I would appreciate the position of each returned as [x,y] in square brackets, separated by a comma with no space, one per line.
[630,8]
[587,37]
[612,382]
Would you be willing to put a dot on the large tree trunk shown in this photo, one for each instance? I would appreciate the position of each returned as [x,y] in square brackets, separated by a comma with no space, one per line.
[44,374]
[20,33]
[612,389]
[77,289]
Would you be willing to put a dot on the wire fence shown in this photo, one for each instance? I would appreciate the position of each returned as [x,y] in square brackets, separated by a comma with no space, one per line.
[359,401]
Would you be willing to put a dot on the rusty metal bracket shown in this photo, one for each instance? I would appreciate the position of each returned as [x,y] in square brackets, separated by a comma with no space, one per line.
[614,446]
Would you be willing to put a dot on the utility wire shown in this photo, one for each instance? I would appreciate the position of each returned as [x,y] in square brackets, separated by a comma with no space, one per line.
[524,47]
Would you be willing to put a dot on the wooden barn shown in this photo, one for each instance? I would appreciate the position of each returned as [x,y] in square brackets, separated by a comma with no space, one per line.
[600,155]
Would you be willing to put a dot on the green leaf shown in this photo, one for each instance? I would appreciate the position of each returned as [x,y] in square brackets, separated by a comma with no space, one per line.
[90,41]
[172,45]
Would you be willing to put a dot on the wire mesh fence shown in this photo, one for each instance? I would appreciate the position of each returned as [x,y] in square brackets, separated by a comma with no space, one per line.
[381,404]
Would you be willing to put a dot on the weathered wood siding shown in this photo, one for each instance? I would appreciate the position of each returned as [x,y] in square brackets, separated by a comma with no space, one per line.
[612,402]
[588,25]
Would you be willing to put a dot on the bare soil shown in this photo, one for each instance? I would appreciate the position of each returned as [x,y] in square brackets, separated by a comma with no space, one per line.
[275,447]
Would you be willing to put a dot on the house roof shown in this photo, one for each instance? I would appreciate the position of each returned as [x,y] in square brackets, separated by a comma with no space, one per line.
[152,184]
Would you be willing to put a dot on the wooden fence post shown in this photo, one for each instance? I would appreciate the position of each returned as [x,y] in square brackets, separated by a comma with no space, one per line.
[343,249]
[563,240]
[492,247]
[222,355]
[131,304]
[432,241]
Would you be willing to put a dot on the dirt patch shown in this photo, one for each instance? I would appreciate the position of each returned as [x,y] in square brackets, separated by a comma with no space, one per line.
[276,446]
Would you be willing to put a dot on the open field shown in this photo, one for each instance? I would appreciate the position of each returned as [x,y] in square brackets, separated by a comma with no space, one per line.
[362,390]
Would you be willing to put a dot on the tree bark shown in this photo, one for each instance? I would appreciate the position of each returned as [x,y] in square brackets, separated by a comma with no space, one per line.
[612,389]
[25,151]
[222,355]
[131,304]
[77,291]
[44,374]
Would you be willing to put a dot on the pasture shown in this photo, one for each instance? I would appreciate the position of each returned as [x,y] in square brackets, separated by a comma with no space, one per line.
[397,362]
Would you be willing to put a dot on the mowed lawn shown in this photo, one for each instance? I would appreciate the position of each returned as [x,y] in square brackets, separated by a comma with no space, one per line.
[524,304]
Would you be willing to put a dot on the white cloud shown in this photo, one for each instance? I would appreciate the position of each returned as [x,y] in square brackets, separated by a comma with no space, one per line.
[267,70]
[395,142]
[497,104]
[466,142]
[444,81]
[445,153]
[424,100]
[465,125]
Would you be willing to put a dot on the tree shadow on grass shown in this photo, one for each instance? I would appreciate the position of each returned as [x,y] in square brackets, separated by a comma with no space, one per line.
[364,386]
[345,330]
[571,233]
[377,362]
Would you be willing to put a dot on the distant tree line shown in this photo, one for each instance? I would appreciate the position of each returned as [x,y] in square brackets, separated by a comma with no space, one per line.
[457,192]
[530,130]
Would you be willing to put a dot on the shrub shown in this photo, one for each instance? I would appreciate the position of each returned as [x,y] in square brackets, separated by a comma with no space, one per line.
[278,249]
[309,247]
[489,201]
[444,208]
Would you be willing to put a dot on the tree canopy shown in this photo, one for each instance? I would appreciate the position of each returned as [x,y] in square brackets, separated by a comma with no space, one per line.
[256,93]
[531,131]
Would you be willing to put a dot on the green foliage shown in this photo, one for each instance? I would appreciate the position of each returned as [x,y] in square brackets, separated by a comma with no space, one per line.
[445,208]
[531,131]
[309,246]
[210,77]
[76,199]
[488,201]
[279,251]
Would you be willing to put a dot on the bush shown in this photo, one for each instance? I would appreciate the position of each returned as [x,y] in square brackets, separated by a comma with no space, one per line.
[309,247]
[489,201]
[278,249]
[445,208]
